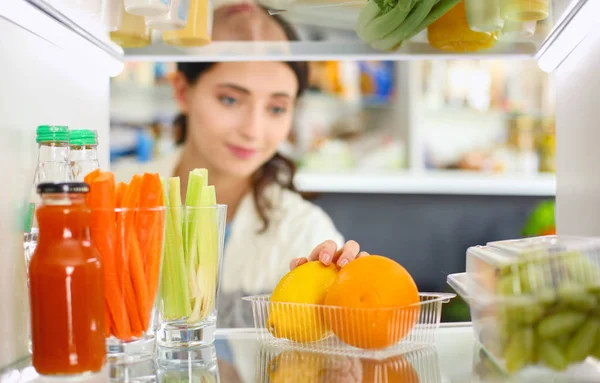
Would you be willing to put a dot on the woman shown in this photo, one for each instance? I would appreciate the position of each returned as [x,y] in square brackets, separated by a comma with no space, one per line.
[235,116]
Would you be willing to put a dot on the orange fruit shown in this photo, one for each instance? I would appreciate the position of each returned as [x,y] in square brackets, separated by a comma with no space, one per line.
[374,293]
[294,313]
[396,369]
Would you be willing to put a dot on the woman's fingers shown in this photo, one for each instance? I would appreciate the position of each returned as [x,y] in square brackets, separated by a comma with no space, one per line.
[328,253]
[347,253]
[297,262]
[324,252]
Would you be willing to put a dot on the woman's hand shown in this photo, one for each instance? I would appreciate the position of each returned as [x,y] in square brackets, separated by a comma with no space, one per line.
[328,253]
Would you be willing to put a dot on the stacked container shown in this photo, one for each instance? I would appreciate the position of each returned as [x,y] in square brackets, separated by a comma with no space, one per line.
[534,301]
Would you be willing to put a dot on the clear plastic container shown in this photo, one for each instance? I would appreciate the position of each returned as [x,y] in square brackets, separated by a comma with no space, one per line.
[534,301]
[484,15]
[132,33]
[176,18]
[519,30]
[525,10]
[198,31]
[147,7]
[285,364]
[286,324]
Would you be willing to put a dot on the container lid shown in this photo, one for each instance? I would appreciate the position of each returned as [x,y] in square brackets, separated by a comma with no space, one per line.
[63,187]
[80,137]
[50,133]
[539,266]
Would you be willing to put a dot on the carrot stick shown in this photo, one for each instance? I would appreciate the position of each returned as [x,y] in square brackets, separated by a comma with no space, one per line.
[136,268]
[153,197]
[106,320]
[134,259]
[103,232]
[144,220]
[121,189]
[91,176]
[88,179]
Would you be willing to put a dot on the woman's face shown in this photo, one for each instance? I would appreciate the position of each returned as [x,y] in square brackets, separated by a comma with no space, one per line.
[245,22]
[239,113]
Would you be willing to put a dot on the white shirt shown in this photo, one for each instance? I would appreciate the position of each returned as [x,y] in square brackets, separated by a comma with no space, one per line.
[253,261]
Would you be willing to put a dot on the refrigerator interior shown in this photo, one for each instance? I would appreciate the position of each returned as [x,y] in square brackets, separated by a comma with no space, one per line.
[52,73]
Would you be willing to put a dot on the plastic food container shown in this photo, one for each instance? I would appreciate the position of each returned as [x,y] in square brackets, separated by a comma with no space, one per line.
[198,30]
[284,364]
[484,15]
[176,18]
[452,33]
[132,33]
[534,301]
[525,10]
[418,322]
[147,7]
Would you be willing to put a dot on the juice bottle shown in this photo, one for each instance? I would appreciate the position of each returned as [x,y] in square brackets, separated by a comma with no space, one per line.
[198,30]
[65,286]
[83,153]
[52,166]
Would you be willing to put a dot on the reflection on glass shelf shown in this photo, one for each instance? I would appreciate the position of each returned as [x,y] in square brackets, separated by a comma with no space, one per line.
[430,182]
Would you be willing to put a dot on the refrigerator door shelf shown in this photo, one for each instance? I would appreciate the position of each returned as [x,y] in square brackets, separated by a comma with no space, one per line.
[80,42]
[579,20]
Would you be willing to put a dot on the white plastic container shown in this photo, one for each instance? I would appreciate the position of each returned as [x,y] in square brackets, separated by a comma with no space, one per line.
[176,18]
[534,302]
[147,7]
[111,12]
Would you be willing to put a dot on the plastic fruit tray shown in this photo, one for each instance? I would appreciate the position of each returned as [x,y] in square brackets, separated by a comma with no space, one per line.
[376,333]
[286,364]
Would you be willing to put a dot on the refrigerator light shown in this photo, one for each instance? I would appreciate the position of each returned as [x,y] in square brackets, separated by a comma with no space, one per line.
[580,19]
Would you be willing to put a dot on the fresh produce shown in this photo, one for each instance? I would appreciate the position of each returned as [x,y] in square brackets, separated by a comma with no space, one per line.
[191,252]
[385,24]
[394,369]
[549,312]
[129,242]
[293,313]
[452,33]
[379,303]
[292,366]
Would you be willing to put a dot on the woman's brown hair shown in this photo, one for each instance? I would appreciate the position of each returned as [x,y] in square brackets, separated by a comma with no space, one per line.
[278,169]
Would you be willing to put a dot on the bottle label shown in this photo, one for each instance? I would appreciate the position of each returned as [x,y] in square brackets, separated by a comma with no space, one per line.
[183,10]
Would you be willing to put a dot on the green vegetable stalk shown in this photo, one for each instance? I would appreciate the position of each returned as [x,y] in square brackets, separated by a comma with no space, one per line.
[191,252]
[386,24]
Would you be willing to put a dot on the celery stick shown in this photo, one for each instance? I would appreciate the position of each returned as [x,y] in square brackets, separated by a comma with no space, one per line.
[177,275]
[207,255]
[166,285]
[197,179]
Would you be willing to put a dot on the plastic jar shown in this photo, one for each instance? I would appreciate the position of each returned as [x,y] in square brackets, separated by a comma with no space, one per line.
[452,33]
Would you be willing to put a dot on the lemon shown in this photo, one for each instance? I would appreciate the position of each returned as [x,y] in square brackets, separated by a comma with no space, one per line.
[296,367]
[306,284]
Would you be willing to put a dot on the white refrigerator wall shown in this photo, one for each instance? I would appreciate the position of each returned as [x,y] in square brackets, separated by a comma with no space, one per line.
[578,140]
[39,84]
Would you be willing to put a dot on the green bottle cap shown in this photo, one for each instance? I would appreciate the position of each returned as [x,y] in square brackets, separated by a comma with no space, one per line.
[82,137]
[52,133]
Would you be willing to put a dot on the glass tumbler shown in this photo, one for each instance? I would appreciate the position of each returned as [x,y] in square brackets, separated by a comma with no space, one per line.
[193,254]
[130,244]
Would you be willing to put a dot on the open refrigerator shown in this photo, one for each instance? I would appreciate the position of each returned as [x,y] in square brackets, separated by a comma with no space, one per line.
[55,69]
